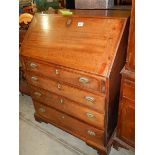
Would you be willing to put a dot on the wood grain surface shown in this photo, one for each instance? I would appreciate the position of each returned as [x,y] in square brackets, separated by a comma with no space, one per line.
[125,131]
[95,43]
[69,107]
[57,52]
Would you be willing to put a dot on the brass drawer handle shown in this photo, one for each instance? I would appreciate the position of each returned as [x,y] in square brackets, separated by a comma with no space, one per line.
[33,65]
[37,94]
[41,109]
[90,115]
[61,101]
[34,78]
[59,86]
[83,80]
[90,98]
[91,133]
[56,71]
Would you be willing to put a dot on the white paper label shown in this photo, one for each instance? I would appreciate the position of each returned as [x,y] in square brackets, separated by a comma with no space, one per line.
[80,24]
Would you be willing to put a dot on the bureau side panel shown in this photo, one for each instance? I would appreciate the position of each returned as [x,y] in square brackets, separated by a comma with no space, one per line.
[114,84]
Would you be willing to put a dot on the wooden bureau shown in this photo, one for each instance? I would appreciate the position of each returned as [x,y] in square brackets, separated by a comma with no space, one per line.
[72,65]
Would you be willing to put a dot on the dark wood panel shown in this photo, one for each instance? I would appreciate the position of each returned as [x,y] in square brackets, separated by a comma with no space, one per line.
[114,12]
[21,36]
[123,2]
[128,89]
[23,86]
[125,131]
[130,65]
[126,123]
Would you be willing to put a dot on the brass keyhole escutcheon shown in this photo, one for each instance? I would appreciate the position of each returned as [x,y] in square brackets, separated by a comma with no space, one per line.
[56,71]
[61,101]
[59,86]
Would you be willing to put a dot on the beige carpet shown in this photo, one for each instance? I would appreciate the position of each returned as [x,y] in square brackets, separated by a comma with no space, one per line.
[45,139]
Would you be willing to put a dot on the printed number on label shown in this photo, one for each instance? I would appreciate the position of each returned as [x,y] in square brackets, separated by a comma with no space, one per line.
[80,24]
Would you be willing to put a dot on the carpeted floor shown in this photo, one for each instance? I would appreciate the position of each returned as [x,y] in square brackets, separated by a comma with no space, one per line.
[45,139]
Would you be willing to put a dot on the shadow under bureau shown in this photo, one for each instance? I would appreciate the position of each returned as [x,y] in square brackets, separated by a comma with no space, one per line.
[72,65]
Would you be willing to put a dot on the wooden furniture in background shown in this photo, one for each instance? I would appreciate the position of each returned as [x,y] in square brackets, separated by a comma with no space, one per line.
[23,86]
[62,3]
[24,21]
[22,33]
[130,64]
[123,2]
[125,131]
[118,12]
[28,9]
[70,4]
[72,66]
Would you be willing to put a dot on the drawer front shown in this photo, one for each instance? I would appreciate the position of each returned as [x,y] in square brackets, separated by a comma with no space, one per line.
[65,75]
[70,124]
[85,98]
[128,89]
[63,104]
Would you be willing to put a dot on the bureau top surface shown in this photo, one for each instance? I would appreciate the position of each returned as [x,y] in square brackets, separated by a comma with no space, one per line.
[87,44]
